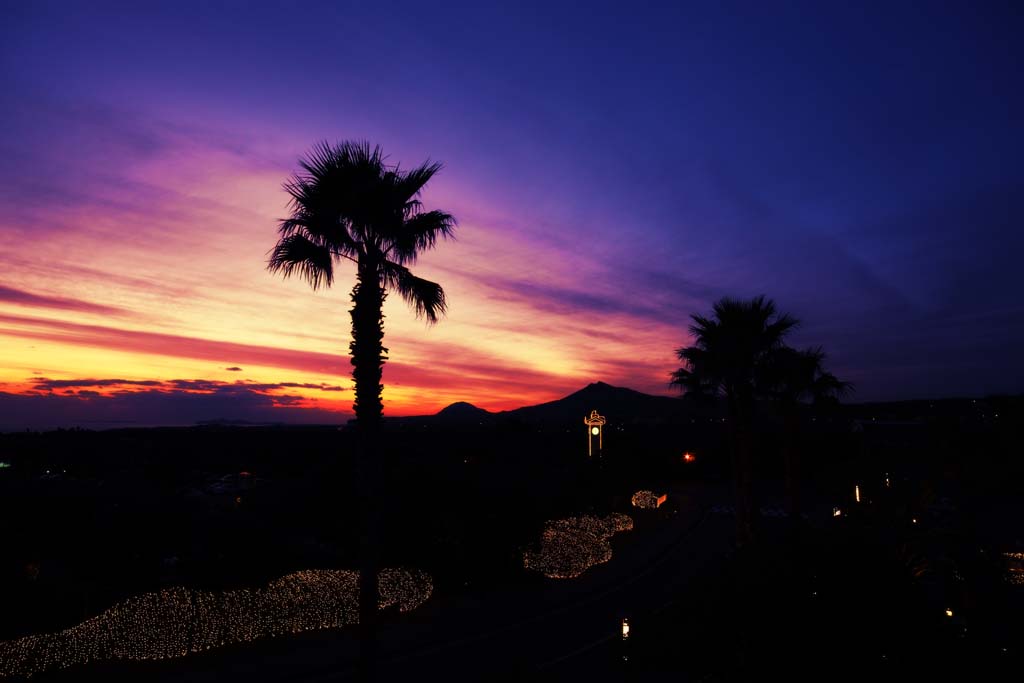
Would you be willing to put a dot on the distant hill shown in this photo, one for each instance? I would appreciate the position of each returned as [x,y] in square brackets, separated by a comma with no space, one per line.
[460,411]
[618,404]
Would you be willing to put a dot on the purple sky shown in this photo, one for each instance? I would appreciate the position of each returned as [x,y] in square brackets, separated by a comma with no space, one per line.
[613,170]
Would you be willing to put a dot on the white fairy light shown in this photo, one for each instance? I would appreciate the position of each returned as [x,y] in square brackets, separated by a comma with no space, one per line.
[175,622]
[648,500]
[570,546]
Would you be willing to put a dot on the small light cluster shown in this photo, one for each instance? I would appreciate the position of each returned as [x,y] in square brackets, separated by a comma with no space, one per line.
[570,546]
[177,621]
[1015,572]
[648,500]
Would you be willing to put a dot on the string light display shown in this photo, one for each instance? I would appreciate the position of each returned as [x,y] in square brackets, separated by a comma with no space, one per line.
[569,547]
[178,621]
[648,500]
[1015,571]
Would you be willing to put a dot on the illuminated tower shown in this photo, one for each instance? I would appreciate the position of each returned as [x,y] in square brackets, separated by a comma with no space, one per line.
[595,432]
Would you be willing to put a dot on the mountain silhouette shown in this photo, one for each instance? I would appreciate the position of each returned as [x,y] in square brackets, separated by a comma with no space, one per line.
[460,411]
[618,404]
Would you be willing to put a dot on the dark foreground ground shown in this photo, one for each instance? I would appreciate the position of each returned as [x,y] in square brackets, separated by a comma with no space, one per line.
[913,581]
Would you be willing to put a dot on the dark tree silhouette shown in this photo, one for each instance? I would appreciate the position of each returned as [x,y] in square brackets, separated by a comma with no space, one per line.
[348,204]
[728,358]
[793,378]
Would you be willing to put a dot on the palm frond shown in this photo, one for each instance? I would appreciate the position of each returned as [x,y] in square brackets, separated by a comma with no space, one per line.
[409,184]
[296,253]
[426,298]
[780,327]
[791,376]
[321,229]
[829,388]
[350,157]
[419,233]
[693,384]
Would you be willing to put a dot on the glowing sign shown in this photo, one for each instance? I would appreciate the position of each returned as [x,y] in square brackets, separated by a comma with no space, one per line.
[595,427]
[836,512]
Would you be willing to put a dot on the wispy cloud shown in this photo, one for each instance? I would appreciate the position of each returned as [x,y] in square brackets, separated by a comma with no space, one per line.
[177,346]
[45,384]
[21,297]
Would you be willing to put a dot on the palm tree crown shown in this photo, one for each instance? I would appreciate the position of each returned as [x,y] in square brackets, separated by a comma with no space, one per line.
[793,376]
[730,348]
[347,203]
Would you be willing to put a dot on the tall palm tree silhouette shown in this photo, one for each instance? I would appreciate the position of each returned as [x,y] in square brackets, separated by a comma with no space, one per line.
[728,358]
[791,379]
[348,204]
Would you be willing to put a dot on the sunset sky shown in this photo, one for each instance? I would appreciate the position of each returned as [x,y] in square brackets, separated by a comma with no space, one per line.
[612,171]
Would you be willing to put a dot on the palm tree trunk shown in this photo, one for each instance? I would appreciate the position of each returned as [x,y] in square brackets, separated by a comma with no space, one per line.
[743,469]
[368,357]
[745,505]
[367,347]
[791,457]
